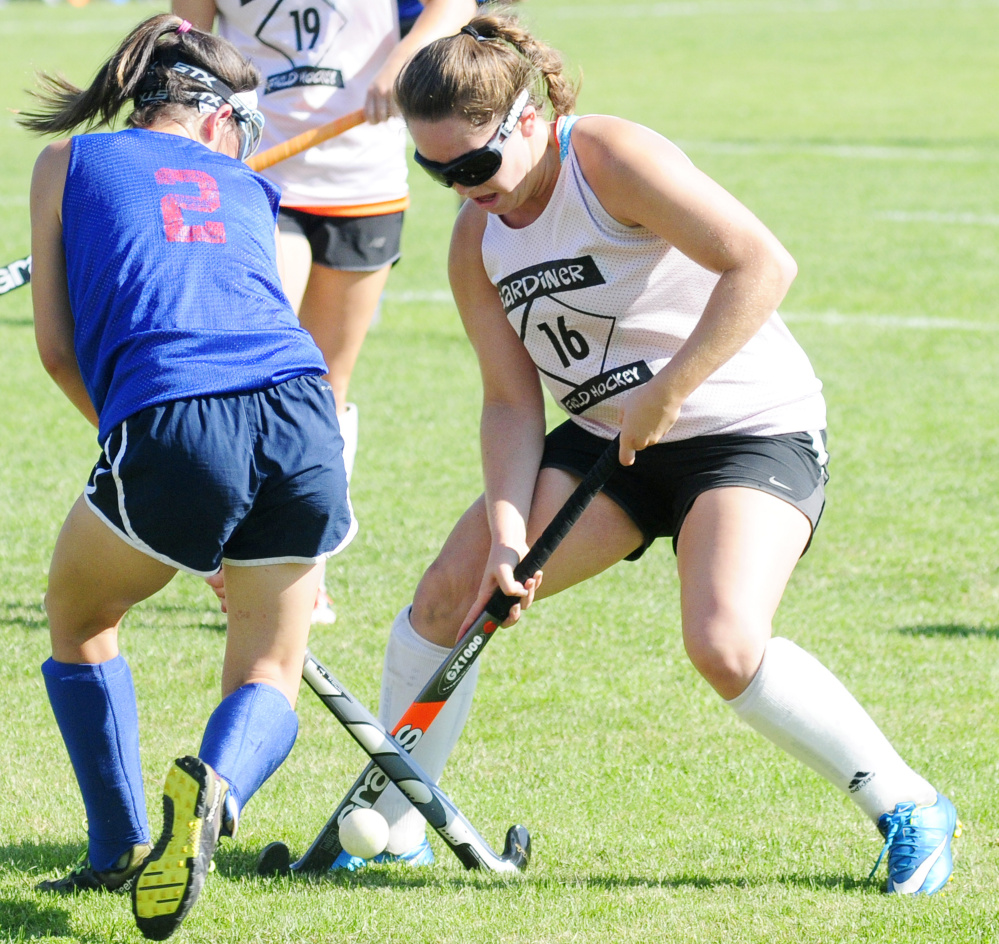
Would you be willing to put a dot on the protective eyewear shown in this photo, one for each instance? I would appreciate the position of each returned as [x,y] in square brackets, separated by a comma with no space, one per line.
[476,167]
[249,122]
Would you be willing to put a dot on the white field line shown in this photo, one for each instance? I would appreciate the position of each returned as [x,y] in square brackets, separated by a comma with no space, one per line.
[932,216]
[853,152]
[834,318]
[677,8]
[416,297]
[899,322]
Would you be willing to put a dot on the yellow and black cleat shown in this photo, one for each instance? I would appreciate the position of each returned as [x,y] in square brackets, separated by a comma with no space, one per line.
[84,878]
[174,873]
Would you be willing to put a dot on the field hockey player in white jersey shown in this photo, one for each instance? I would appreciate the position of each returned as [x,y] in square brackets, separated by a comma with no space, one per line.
[591,256]
[342,201]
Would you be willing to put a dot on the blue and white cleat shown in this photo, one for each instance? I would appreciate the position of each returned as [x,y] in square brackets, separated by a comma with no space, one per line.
[420,855]
[917,841]
[417,856]
[347,861]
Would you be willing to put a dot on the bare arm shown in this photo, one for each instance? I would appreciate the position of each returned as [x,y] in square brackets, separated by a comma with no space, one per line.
[439,18]
[49,293]
[513,414]
[642,179]
[201,13]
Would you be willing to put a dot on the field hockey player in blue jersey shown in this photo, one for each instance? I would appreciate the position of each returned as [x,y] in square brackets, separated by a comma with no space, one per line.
[159,313]
[591,257]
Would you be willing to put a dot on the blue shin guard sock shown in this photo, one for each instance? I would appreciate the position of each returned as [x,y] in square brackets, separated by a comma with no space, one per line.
[94,706]
[248,737]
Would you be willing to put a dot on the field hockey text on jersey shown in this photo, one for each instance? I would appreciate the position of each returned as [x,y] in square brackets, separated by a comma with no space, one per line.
[548,278]
[303,75]
[597,389]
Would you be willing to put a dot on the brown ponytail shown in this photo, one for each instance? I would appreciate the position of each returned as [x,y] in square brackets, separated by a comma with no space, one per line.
[478,73]
[142,61]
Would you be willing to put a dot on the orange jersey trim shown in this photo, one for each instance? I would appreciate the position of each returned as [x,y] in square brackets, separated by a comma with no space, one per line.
[360,209]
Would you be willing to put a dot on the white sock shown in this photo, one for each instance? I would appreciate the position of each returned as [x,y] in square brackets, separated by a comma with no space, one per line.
[803,708]
[348,430]
[410,661]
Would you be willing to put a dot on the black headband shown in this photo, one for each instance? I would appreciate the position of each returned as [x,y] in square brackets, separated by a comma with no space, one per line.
[155,90]
[474,33]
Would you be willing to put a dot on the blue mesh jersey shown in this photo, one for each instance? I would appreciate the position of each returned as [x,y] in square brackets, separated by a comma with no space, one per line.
[172,271]
[409,9]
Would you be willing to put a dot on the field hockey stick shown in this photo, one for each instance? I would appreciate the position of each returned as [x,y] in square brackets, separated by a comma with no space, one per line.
[398,767]
[15,274]
[275,857]
[305,140]
[18,273]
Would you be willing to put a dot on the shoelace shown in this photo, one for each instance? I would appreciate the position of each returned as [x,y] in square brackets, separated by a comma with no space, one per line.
[82,865]
[899,834]
[81,870]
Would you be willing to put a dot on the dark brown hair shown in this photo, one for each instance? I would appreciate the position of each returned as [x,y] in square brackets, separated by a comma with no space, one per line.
[478,74]
[141,62]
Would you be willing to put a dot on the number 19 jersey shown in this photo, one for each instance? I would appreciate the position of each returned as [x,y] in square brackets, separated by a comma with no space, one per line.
[318,58]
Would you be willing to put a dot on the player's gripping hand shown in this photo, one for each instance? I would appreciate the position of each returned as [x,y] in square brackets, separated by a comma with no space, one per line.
[499,573]
[647,415]
[379,103]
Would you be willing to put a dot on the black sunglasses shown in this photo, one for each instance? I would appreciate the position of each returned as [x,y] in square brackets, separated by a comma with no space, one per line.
[476,167]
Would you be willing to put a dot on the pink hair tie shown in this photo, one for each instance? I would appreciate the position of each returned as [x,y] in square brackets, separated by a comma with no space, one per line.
[185,26]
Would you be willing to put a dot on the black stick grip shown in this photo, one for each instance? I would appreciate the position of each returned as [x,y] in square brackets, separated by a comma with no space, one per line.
[499,604]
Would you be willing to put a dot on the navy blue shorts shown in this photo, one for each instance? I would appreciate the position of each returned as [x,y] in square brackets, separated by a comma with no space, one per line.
[659,490]
[249,478]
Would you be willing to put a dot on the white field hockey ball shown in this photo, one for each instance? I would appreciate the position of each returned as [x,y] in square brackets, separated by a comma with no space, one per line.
[364,833]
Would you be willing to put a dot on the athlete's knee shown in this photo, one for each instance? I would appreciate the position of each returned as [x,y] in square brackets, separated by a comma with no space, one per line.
[440,603]
[726,648]
[75,639]
[73,619]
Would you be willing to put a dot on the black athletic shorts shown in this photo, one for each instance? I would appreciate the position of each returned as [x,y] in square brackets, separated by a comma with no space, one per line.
[347,243]
[660,488]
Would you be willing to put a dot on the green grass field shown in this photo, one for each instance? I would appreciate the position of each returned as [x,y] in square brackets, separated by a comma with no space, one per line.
[865,133]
